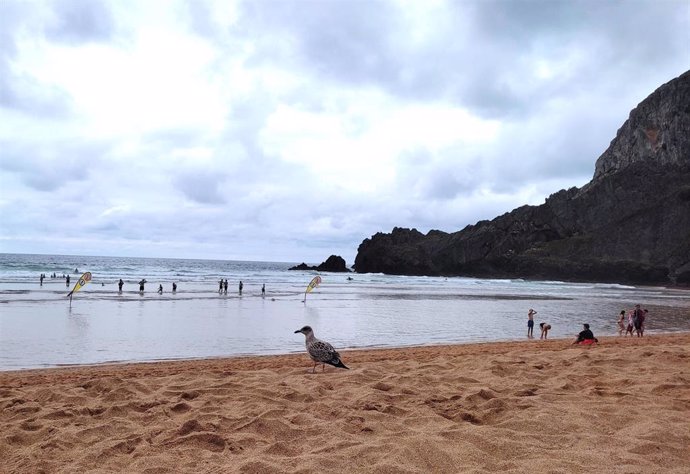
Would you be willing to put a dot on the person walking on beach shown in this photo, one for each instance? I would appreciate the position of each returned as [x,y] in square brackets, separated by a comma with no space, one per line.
[544,330]
[263,290]
[621,323]
[119,285]
[530,323]
[225,286]
[160,289]
[241,286]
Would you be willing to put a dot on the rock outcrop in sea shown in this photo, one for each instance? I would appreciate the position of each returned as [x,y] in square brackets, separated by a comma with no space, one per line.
[334,263]
[629,224]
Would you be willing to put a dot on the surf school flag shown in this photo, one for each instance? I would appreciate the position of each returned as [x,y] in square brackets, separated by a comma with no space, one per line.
[316,281]
[85,278]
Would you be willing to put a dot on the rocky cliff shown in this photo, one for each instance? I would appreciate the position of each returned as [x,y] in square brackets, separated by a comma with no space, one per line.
[631,223]
[334,263]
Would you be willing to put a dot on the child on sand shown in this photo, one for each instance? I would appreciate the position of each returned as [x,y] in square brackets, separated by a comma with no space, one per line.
[544,330]
[621,323]
[631,326]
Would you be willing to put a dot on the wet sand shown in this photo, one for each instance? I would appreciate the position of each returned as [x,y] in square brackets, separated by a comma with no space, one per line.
[533,406]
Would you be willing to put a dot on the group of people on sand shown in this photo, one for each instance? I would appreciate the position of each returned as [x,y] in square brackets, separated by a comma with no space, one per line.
[586,336]
[632,322]
[635,321]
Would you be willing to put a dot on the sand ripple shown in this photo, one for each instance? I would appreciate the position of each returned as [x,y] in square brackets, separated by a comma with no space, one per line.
[535,406]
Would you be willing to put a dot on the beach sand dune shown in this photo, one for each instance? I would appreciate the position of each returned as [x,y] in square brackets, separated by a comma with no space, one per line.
[533,406]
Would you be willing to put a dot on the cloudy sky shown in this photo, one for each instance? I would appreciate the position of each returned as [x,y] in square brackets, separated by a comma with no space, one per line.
[292,130]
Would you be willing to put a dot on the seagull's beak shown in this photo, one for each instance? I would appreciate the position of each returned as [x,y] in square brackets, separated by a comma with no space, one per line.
[297,331]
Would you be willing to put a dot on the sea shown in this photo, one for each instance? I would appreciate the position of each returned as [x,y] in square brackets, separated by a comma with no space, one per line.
[41,327]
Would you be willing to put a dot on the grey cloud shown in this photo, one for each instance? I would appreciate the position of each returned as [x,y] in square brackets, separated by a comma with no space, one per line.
[201,186]
[18,91]
[352,42]
[49,165]
[78,21]
[480,55]
[199,17]
[27,95]
[441,176]
[444,182]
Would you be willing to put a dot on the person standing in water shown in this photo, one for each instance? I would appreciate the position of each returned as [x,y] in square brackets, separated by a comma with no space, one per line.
[530,323]
[141,285]
[263,290]
[67,281]
[119,285]
[174,287]
[241,286]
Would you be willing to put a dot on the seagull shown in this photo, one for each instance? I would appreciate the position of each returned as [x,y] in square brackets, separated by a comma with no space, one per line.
[320,352]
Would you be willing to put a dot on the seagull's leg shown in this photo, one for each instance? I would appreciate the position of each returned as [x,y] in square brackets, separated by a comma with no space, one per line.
[324,367]
[313,370]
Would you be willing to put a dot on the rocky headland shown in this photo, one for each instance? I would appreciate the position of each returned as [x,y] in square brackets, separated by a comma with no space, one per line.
[334,263]
[629,224]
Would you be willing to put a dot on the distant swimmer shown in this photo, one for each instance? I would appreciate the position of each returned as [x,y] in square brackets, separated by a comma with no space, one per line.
[350,278]
[160,289]
[119,285]
[263,290]
[174,287]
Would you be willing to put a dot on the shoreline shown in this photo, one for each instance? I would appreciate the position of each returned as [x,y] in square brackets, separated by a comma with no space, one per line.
[342,351]
[538,406]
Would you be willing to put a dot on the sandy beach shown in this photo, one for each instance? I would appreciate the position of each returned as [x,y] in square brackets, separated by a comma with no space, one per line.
[533,406]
